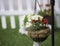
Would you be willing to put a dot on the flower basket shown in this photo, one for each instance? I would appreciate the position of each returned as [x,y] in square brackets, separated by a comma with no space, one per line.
[39,36]
[38,29]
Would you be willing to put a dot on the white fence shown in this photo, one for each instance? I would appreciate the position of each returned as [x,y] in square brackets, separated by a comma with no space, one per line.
[16,7]
[12,8]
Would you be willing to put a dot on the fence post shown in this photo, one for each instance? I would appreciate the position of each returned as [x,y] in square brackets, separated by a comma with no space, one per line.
[12,19]
[3,18]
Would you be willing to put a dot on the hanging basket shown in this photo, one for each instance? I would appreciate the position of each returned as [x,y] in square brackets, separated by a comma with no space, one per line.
[39,36]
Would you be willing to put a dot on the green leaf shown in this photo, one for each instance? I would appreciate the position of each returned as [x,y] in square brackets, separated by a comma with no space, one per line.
[25,20]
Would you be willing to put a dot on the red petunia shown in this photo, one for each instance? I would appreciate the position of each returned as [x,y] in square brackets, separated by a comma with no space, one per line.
[44,21]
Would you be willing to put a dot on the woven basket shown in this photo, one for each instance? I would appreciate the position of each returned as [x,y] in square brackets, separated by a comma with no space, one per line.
[39,36]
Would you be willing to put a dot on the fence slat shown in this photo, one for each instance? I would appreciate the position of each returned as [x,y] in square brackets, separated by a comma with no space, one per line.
[29,8]
[21,19]
[2,5]
[12,20]
[58,20]
[10,5]
[3,20]
[29,4]
[21,22]
[22,29]
[20,5]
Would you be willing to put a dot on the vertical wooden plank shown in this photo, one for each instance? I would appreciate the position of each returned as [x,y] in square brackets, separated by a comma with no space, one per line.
[0,23]
[29,6]
[2,5]
[6,4]
[22,29]
[57,6]
[24,4]
[20,23]
[15,4]
[32,4]
[19,5]
[11,5]
[3,20]
[12,20]
[58,20]
[45,2]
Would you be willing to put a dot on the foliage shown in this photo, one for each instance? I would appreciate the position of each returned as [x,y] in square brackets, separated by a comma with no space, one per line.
[37,27]
[25,20]
[35,23]
[42,13]
[45,12]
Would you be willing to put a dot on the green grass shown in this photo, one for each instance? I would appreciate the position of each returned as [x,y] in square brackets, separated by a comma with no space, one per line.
[56,39]
[12,37]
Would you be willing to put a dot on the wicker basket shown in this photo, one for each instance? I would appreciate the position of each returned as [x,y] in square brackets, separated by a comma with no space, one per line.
[39,36]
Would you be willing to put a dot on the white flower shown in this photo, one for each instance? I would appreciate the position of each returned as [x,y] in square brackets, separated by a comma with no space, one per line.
[29,17]
[44,24]
[36,17]
[40,24]
[47,8]
[28,24]
[32,18]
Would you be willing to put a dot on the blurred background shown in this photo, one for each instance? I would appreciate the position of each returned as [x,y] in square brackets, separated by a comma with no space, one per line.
[11,12]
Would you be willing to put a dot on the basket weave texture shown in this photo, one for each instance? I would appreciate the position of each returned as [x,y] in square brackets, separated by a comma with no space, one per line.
[39,36]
